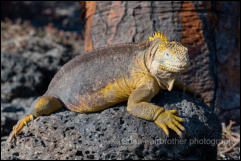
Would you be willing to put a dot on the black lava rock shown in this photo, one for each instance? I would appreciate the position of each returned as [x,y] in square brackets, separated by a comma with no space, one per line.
[115,134]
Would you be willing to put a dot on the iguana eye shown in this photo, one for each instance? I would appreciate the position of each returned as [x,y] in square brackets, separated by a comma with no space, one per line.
[167,55]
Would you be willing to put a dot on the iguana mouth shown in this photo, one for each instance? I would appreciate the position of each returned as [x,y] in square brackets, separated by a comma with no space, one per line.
[173,68]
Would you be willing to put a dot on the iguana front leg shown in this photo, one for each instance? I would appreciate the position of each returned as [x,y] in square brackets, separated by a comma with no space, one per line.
[138,106]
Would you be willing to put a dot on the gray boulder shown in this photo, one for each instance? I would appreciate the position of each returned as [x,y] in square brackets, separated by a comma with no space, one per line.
[115,134]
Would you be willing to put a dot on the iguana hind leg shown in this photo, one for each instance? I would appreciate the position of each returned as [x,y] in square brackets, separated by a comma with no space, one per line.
[20,124]
[44,105]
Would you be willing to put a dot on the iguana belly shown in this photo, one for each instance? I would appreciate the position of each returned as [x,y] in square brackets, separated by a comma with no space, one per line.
[112,93]
[93,91]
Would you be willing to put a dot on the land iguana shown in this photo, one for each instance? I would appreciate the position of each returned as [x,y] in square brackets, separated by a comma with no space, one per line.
[132,71]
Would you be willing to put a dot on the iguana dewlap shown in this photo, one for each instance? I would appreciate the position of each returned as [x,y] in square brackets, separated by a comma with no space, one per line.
[113,74]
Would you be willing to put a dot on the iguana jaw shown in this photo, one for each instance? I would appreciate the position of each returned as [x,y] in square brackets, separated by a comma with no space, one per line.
[173,68]
[160,65]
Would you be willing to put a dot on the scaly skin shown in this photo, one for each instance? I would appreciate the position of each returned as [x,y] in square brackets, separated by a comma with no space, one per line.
[113,74]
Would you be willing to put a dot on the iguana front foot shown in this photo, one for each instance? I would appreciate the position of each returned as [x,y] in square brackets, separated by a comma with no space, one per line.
[20,124]
[168,119]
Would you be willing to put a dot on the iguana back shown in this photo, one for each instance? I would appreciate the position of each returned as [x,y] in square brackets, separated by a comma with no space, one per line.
[80,81]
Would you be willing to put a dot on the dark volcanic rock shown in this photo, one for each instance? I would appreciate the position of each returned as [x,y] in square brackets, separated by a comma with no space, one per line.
[115,134]
[29,59]
[20,77]
[13,111]
[23,78]
[64,15]
[26,75]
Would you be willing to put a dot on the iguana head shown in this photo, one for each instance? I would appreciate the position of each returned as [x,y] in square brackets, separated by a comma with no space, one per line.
[168,56]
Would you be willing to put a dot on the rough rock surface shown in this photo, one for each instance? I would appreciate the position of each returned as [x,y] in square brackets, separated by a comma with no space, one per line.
[227,42]
[115,134]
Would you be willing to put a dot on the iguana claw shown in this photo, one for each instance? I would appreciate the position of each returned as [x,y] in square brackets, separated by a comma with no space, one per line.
[168,119]
[18,127]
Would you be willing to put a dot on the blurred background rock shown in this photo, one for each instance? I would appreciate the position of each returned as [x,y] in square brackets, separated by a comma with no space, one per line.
[64,15]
